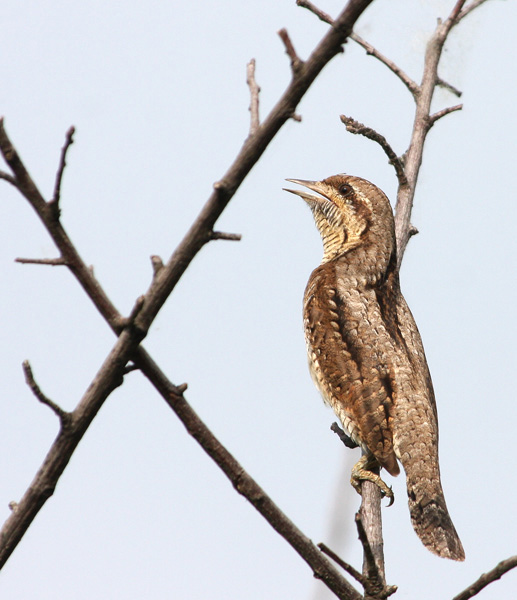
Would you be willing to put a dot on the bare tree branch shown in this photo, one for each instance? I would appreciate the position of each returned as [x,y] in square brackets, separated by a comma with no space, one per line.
[496,573]
[423,121]
[165,278]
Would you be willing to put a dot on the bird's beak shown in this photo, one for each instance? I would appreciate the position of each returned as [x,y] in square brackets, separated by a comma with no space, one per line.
[315,186]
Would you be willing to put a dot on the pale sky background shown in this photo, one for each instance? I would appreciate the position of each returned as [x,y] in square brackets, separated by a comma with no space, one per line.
[158,95]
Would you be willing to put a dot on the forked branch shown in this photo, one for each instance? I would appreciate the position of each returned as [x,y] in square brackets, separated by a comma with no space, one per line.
[128,349]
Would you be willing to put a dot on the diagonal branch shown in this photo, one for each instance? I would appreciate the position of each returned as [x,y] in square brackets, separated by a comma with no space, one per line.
[165,279]
[411,85]
[496,573]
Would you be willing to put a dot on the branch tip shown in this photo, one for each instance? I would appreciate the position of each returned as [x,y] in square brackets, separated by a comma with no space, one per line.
[69,140]
[357,128]
[157,264]
[296,62]
[322,16]
[442,113]
[221,235]
[53,262]
[64,416]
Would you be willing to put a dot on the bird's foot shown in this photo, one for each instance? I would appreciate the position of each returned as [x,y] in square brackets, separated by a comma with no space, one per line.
[362,471]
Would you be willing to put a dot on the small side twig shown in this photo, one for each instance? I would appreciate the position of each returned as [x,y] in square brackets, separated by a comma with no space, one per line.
[348,441]
[221,235]
[441,113]
[440,82]
[9,178]
[496,573]
[411,85]
[64,416]
[69,140]
[344,565]
[469,9]
[157,264]
[323,16]
[53,262]
[296,61]
[254,97]
[357,128]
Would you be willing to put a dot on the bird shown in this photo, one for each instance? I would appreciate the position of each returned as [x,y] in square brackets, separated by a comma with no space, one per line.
[365,352]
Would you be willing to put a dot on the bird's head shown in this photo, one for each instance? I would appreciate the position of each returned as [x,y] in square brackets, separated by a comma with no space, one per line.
[349,212]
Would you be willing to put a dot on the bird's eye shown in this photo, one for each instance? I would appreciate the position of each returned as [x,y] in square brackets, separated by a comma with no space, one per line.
[345,189]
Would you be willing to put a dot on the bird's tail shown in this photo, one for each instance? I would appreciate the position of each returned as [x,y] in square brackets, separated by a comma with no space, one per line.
[431,520]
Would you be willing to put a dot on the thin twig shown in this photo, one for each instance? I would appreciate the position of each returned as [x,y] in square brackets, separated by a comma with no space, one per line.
[323,16]
[221,235]
[441,113]
[5,176]
[440,82]
[411,85]
[53,262]
[344,565]
[357,128]
[371,50]
[64,416]
[69,140]
[496,573]
[254,97]
[157,264]
[296,62]
[468,9]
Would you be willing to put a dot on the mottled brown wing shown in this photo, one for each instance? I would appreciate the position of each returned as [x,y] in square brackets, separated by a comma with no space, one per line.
[354,377]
